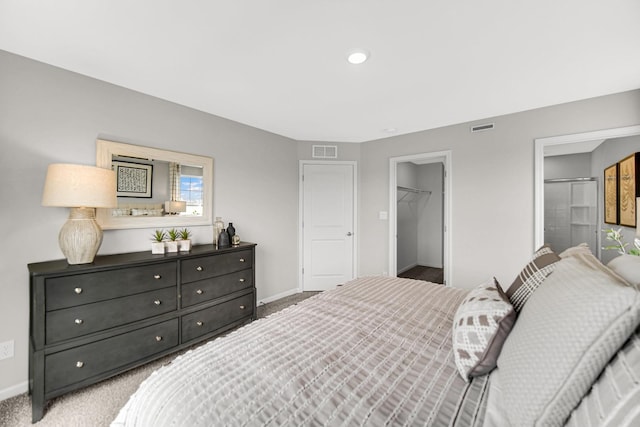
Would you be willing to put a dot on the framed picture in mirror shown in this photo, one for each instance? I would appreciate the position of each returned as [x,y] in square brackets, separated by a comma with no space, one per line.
[611,194]
[133,179]
[628,187]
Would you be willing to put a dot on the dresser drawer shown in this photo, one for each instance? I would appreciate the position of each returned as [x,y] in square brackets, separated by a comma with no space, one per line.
[208,320]
[84,319]
[215,265]
[208,289]
[77,364]
[69,291]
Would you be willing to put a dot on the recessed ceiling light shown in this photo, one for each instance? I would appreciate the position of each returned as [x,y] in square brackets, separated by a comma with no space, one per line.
[357,56]
[390,130]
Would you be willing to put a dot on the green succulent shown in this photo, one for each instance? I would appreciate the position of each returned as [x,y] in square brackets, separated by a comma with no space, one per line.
[173,234]
[159,236]
[185,234]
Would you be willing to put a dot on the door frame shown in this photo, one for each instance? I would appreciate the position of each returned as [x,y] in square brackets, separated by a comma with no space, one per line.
[447,259]
[302,163]
[577,139]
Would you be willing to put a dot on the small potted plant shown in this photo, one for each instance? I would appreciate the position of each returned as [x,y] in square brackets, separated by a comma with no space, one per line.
[184,243]
[157,242]
[172,243]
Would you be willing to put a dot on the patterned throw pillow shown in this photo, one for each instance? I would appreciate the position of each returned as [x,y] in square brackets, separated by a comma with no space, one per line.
[480,327]
[532,275]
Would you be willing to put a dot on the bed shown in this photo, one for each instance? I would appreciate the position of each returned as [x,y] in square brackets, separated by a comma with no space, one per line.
[389,351]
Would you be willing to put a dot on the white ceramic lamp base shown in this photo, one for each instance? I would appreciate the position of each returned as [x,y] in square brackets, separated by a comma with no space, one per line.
[81,236]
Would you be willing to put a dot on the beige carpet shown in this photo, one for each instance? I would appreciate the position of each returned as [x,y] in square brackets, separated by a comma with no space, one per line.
[99,404]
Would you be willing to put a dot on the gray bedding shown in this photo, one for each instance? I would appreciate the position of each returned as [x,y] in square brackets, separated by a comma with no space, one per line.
[376,351]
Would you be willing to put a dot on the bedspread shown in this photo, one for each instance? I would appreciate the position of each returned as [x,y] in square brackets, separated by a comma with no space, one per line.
[376,351]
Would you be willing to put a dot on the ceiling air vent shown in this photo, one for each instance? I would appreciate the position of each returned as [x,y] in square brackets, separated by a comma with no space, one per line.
[325,151]
[479,128]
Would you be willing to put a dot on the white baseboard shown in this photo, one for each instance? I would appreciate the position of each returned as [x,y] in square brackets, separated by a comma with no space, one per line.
[14,390]
[278,296]
[407,268]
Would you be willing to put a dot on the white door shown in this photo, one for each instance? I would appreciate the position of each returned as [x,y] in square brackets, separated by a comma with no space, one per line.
[327,225]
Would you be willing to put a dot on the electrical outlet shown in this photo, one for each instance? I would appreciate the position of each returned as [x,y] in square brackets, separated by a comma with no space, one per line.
[6,349]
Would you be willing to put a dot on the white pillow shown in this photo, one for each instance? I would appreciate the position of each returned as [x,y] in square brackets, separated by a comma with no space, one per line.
[627,266]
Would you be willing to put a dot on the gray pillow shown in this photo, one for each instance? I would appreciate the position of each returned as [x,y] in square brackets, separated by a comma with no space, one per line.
[565,335]
[614,400]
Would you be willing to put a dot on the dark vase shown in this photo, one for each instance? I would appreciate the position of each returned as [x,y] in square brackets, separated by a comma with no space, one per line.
[231,230]
[223,239]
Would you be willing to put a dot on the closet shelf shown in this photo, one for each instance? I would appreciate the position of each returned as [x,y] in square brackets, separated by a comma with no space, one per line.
[409,194]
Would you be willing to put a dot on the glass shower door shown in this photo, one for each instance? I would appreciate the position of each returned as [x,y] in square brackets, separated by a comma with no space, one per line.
[570,216]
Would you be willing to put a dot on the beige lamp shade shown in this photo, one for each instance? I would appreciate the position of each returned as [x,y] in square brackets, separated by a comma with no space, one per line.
[175,206]
[79,186]
[82,188]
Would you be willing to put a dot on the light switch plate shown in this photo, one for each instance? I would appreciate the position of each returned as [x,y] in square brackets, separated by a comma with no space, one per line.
[383,215]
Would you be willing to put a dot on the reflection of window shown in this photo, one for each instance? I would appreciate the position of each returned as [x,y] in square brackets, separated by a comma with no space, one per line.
[191,192]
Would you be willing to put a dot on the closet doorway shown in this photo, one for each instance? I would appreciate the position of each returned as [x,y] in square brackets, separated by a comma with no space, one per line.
[418,210]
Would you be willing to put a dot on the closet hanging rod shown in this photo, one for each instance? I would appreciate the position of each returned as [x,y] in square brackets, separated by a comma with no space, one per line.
[569,180]
[412,190]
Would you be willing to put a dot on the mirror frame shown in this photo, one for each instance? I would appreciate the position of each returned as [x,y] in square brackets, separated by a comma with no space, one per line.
[539,146]
[105,150]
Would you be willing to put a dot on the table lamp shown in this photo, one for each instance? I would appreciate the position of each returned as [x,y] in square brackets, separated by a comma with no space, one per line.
[82,188]
[174,207]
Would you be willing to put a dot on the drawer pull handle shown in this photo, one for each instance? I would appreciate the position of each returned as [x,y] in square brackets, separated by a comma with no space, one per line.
[242,307]
[78,290]
[241,259]
[157,276]
[157,302]
[199,292]
[158,338]
[199,323]
[79,364]
[199,268]
[241,280]
[79,321]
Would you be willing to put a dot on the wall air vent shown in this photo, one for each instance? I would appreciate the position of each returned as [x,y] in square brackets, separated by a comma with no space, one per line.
[479,128]
[325,151]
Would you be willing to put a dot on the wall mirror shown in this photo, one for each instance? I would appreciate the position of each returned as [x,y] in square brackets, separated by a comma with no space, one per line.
[572,144]
[156,188]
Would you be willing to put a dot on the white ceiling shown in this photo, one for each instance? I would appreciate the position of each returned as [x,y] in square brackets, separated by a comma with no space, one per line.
[280,65]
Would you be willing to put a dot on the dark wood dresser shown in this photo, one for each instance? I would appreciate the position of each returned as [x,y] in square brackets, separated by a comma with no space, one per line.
[93,321]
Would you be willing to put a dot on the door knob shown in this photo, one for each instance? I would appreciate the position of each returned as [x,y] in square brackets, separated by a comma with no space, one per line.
[349,234]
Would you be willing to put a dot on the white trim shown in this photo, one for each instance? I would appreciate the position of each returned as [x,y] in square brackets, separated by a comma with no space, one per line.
[301,213]
[447,226]
[278,296]
[14,390]
[539,146]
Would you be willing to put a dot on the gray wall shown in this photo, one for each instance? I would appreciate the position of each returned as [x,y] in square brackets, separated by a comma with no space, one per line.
[430,177]
[568,166]
[49,115]
[609,152]
[492,215]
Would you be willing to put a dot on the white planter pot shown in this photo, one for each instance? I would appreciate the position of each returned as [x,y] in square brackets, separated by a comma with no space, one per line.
[184,245]
[172,246]
[157,247]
